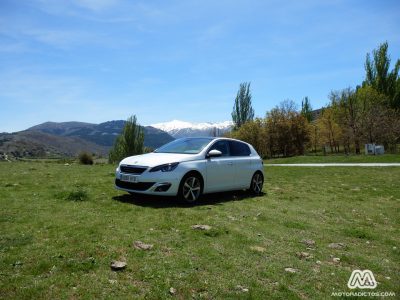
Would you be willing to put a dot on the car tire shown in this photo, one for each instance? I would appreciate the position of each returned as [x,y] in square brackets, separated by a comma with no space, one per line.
[191,188]
[256,184]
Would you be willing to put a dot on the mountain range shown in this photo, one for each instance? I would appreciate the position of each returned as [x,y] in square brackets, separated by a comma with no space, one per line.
[179,129]
[103,134]
[52,139]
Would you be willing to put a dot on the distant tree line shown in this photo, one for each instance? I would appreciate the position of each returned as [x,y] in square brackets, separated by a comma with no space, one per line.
[370,113]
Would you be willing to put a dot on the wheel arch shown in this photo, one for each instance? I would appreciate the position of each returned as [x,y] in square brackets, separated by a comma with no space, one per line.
[258,171]
[194,172]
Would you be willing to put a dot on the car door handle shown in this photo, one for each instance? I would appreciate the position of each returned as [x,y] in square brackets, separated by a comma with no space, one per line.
[230,163]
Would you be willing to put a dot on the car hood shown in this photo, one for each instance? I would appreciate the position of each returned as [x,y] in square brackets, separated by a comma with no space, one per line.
[156,159]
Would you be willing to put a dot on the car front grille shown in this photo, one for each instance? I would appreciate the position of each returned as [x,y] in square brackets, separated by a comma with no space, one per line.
[132,169]
[138,186]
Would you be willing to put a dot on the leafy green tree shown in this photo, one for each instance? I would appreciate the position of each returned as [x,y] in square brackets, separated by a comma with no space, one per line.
[129,142]
[348,112]
[242,109]
[253,132]
[380,78]
[287,131]
[329,130]
[306,109]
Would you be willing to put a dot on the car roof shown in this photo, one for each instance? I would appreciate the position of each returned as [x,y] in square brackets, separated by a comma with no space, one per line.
[210,138]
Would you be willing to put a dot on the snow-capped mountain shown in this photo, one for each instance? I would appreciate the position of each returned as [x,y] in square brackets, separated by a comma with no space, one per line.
[180,129]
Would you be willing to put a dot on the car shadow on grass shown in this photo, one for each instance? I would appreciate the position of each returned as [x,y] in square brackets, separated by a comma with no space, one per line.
[166,202]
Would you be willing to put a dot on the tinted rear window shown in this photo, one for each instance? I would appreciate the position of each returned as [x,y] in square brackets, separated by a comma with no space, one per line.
[239,149]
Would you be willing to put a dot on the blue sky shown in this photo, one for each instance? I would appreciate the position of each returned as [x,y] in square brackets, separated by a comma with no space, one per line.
[100,60]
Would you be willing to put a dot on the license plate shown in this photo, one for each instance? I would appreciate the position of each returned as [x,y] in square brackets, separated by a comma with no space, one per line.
[129,178]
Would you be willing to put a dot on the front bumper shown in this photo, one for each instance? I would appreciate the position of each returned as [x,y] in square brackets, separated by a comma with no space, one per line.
[156,183]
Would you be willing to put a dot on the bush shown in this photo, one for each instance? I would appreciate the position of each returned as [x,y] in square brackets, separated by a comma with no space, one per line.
[85,158]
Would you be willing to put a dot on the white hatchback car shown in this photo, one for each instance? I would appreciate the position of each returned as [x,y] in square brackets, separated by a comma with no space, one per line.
[190,167]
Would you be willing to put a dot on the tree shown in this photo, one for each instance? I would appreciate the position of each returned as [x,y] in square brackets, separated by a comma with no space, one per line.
[306,109]
[253,132]
[129,142]
[286,130]
[348,111]
[314,134]
[380,78]
[242,109]
[329,129]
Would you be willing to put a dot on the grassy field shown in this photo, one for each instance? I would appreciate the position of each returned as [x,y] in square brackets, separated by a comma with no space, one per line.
[62,225]
[386,158]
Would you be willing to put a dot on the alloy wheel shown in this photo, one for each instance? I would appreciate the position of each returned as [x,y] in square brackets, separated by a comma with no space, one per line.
[257,183]
[191,189]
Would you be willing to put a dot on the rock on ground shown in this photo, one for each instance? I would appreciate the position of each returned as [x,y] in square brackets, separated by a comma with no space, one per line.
[142,246]
[336,245]
[336,260]
[242,288]
[304,255]
[308,243]
[291,270]
[117,265]
[201,227]
[258,248]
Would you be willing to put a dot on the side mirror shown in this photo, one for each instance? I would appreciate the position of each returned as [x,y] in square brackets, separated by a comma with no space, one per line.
[214,153]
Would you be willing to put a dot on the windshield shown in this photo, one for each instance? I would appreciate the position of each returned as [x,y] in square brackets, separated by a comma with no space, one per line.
[185,146]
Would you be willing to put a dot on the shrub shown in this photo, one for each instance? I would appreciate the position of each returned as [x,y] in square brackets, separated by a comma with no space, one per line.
[85,158]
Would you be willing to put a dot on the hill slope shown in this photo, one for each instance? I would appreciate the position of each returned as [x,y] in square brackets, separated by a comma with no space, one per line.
[103,134]
[40,144]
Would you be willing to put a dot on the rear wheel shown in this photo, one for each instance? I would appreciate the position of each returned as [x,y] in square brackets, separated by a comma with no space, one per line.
[191,188]
[257,183]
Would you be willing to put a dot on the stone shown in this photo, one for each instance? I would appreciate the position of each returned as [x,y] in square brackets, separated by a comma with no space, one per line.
[304,255]
[142,246]
[336,260]
[291,270]
[308,243]
[258,248]
[17,263]
[242,289]
[201,227]
[336,245]
[117,265]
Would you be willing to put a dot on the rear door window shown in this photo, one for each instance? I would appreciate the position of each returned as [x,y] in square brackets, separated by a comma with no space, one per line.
[239,149]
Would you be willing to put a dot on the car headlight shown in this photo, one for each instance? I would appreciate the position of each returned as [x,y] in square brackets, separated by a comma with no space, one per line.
[165,167]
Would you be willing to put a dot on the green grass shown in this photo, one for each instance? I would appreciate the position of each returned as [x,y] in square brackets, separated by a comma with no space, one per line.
[386,158]
[53,245]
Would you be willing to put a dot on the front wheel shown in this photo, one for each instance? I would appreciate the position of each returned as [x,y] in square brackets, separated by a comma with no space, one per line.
[190,188]
[257,183]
